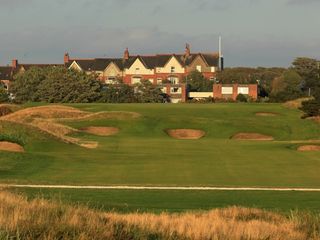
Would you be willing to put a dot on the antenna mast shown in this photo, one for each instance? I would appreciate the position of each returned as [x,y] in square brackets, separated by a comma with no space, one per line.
[221,61]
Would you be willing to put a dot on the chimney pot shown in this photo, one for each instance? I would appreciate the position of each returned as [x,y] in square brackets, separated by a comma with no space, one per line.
[66,58]
[126,54]
[188,51]
[14,63]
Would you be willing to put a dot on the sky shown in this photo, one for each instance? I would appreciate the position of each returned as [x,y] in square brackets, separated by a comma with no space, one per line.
[254,32]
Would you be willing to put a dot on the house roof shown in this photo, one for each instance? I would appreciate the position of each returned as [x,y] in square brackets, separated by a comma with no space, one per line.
[6,73]
[28,66]
[150,62]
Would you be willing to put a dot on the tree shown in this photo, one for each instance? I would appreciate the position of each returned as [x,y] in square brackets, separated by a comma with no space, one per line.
[117,93]
[4,97]
[68,86]
[146,92]
[55,85]
[287,87]
[243,75]
[198,83]
[309,70]
[25,85]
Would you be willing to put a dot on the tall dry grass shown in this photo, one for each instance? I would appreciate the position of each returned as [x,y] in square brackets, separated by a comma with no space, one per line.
[41,219]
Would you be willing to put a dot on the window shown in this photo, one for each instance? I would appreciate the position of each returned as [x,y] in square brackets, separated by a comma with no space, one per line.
[164,90]
[173,69]
[137,69]
[199,68]
[110,80]
[176,90]
[213,69]
[243,90]
[173,80]
[159,81]
[227,90]
[150,80]
[135,80]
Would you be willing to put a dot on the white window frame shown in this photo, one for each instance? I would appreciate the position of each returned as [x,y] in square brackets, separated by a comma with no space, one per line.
[227,90]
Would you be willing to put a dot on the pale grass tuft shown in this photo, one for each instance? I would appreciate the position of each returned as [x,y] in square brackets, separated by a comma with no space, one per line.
[41,219]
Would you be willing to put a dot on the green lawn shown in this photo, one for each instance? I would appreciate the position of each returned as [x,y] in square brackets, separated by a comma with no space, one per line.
[143,154]
[179,201]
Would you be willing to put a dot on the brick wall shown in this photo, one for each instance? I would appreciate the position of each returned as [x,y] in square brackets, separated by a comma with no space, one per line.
[217,91]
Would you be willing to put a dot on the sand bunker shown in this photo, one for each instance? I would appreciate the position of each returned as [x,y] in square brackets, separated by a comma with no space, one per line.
[252,136]
[266,114]
[101,131]
[51,119]
[10,147]
[309,148]
[185,133]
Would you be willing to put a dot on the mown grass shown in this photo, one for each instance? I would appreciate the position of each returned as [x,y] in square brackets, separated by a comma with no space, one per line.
[42,219]
[155,201]
[143,154]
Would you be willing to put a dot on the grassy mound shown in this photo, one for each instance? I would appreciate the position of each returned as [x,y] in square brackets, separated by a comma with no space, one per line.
[50,119]
[295,104]
[188,134]
[40,219]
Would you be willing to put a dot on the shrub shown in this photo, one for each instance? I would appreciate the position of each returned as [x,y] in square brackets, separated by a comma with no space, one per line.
[311,108]
[4,96]
[241,98]
[4,110]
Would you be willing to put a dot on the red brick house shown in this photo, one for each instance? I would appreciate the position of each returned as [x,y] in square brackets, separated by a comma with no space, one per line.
[165,70]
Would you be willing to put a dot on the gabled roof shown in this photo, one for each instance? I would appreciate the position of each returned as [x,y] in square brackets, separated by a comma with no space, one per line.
[149,61]
[28,66]
[6,73]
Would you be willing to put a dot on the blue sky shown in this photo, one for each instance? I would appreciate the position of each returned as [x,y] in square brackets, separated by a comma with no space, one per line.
[255,32]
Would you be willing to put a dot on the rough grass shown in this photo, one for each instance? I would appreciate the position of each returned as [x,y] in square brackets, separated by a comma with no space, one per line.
[41,219]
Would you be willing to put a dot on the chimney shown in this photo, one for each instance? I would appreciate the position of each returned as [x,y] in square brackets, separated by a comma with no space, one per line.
[14,63]
[66,58]
[126,54]
[187,52]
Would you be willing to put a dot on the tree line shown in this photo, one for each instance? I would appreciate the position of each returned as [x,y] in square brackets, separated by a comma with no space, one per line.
[61,85]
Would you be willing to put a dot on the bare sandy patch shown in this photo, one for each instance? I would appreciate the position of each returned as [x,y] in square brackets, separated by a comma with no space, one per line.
[266,114]
[252,136]
[101,131]
[10,147]
[188,134]
[309,148]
